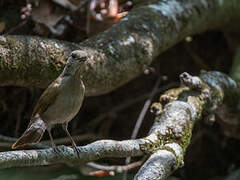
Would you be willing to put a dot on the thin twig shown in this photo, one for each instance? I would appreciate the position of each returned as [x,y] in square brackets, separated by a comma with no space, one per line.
[140,119]
[144,109]
[19,25]
[116,168]
[9,140]
[196,58]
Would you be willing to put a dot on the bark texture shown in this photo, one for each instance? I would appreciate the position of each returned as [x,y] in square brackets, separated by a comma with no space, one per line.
[168,138]
[119,54]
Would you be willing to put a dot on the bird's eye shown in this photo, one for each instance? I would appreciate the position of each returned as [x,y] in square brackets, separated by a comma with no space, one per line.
[74,56]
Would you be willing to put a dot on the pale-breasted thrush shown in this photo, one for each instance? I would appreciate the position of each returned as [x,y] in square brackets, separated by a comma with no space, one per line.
[58,104]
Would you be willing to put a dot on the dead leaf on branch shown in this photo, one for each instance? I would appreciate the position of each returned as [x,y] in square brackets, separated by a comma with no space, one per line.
[48,15]
[104,13]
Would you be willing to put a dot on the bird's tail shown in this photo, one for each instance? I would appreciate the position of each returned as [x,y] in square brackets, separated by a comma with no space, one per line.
[32,134]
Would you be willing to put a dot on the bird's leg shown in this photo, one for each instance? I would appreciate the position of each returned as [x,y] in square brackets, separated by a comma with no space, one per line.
[52,142]
[65,128]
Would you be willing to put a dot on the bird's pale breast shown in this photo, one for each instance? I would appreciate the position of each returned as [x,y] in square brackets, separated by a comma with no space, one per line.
[67,104]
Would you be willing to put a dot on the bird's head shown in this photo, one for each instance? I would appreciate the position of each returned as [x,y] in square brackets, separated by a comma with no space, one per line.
[77,57]
[75,60]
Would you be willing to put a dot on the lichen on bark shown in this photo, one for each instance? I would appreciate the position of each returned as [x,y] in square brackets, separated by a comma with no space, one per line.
[119,54]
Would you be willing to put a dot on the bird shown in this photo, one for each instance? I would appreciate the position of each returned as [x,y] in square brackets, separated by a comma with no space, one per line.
[58,104]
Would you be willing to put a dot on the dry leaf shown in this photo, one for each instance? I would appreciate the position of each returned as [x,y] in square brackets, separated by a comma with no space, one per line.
[47,15]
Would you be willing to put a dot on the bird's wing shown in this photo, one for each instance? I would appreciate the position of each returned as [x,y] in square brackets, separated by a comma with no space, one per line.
[47,98]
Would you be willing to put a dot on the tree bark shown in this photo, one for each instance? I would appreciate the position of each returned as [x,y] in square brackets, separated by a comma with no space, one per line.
[169,136]
[119,54]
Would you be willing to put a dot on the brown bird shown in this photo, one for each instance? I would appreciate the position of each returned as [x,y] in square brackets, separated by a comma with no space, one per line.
[59,103]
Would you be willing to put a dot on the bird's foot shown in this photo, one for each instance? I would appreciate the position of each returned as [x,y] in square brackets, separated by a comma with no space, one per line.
[77,151]
[55,149]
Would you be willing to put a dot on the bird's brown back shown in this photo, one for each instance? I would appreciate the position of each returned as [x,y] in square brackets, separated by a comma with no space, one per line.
[47,98]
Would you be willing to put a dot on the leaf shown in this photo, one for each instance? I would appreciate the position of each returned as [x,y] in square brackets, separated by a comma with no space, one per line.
[47,15]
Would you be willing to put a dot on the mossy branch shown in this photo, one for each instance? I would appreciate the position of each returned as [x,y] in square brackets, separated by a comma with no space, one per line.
[119,54]
[171,133]
[169,136]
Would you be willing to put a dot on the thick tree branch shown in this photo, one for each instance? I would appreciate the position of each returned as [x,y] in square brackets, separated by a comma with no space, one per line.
[200,96]
[159,166]
[119,54]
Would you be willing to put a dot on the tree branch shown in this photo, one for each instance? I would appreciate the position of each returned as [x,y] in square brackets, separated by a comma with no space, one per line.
[168,138]
[119,54]
[94,151]
[184,106]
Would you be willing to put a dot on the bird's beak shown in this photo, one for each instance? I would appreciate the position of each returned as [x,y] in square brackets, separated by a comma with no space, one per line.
[84,60]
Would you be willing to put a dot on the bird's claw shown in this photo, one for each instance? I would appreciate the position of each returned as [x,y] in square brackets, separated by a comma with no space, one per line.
[56,150]
[77,151]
